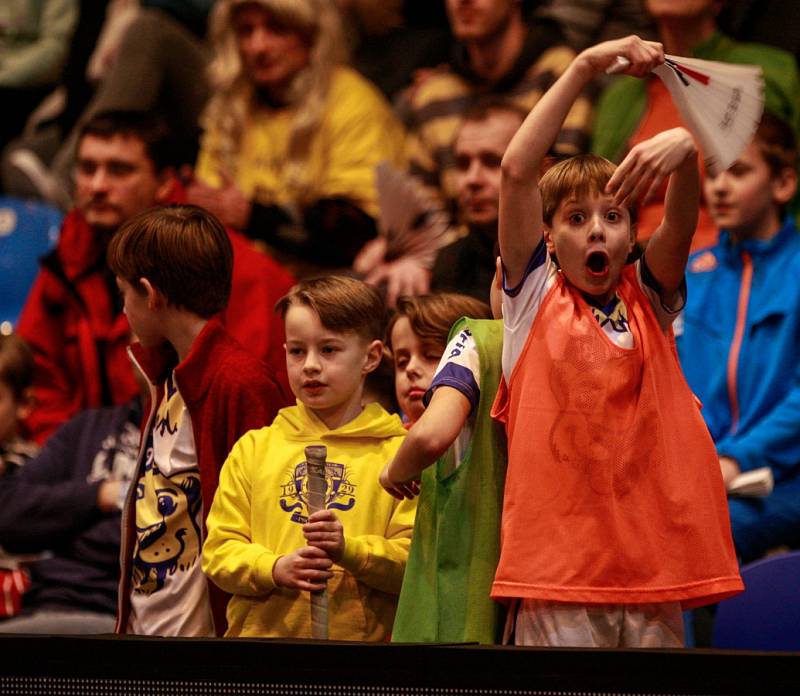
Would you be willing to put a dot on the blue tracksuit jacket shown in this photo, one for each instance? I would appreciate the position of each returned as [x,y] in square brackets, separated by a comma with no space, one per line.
[740,348]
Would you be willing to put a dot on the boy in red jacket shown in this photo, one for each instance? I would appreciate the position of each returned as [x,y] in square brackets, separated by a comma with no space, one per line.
[173,268]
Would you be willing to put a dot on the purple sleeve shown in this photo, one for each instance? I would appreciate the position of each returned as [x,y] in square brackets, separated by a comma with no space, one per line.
[458,377]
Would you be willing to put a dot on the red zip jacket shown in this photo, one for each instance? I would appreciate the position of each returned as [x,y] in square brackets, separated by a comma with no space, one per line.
[79,336]
[227,392]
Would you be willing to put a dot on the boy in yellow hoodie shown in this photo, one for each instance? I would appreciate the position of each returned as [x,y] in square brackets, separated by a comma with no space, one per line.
[261,546]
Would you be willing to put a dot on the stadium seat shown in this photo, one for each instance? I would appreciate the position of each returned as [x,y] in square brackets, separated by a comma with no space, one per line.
[766,616]
[28,230]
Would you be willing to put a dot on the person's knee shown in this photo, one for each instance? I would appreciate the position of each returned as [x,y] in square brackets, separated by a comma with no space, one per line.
[747,528]
[759,525]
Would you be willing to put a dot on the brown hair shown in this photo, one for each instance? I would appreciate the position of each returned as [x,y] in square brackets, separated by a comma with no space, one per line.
[162,147]
[342,304]
[183,250]
[776,142]
[484,108]
[432,316]
[575,176]
[16,364]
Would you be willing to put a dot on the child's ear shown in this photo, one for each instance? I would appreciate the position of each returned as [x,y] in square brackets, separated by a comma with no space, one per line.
[784,186]
[155,298]
[373,356]
[167,179]
[548,239]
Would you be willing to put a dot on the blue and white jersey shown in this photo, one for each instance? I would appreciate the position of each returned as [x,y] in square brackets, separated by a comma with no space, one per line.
[460,369]
[521,304]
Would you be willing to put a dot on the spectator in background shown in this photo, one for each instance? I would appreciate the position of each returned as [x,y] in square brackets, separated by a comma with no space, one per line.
[65,505]
[34,43]
[393,39]
[468,264]
[497,55]
[587,22]
[16,376]
[292,136]
[631,110]
[16,401]
[773,22]
[149,56]
[73,316]
[740,343]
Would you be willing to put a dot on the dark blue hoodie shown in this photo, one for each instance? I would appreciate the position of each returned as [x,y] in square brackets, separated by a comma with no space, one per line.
[50,505]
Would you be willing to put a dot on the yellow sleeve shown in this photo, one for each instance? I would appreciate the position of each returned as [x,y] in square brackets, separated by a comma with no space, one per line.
[362,132]
[230,558]
[206,168]
[380,561]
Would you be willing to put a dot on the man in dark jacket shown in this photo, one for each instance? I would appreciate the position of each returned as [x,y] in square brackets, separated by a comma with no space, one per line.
[64,507]
[498,55]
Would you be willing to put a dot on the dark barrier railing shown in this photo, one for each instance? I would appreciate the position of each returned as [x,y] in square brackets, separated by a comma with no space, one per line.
[86,666]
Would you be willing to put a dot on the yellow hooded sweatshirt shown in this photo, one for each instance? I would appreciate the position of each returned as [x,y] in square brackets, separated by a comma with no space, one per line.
[259,510]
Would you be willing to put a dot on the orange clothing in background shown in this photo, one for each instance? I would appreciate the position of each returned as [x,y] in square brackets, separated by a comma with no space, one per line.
[661,115]
[614,494]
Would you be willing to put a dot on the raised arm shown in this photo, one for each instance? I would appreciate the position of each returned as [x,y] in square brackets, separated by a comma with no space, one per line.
[672,154]
[520,220]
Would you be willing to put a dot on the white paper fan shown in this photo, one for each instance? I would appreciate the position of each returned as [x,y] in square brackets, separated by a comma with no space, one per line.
[409,221]
[721,104]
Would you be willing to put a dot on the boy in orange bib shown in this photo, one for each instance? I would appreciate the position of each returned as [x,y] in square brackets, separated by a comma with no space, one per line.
[614,517]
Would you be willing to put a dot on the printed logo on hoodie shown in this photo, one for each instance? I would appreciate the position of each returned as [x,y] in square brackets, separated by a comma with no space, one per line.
[340,492]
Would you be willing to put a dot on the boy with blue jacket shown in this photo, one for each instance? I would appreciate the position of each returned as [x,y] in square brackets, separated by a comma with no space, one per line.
[740,345]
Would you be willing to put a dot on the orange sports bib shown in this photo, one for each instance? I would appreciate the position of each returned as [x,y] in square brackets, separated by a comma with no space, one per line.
[614,493]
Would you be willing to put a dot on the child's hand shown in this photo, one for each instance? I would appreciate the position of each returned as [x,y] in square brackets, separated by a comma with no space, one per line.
[394,487]
[730,470]
[324,531]
[306,569]
[642,56]
[647,165]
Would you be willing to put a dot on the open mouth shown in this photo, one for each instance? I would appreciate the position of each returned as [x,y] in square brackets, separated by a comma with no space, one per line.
[597,264]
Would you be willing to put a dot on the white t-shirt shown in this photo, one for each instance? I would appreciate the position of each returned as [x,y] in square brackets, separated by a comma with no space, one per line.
[521,304]
[169,592]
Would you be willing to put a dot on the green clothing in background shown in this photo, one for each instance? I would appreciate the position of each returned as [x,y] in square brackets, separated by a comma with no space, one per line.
[35,40]
[623,104]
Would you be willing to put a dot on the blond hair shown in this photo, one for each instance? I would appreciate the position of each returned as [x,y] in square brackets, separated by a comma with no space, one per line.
[576,176]
[234,96]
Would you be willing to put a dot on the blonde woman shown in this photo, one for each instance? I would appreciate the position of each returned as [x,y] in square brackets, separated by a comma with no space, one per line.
[292,136]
